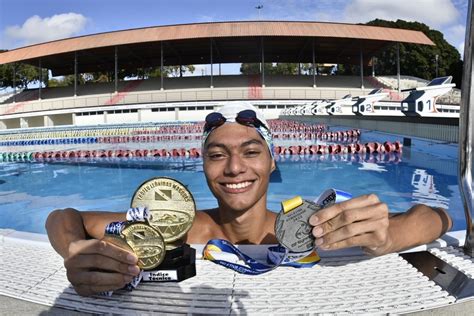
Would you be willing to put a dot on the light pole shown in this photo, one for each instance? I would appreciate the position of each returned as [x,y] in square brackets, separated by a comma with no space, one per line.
[259,7]
[436,61]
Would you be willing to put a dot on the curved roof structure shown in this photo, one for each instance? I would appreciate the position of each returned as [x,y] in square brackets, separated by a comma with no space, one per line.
[231,42]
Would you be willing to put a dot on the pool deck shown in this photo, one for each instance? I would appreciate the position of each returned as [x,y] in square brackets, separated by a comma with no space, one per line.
[33,281]
[12,306]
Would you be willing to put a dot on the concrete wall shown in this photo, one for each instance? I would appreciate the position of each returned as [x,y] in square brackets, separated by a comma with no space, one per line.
[147,115]
[11,123]
[61,119]
[116,118]
[48,121]
[35,121]
[89,119]
[438,129]
[192,115]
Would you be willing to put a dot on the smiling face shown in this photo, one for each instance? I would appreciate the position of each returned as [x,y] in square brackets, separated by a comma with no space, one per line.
[237,165]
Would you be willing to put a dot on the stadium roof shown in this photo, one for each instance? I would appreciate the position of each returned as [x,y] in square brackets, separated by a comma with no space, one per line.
[232,42]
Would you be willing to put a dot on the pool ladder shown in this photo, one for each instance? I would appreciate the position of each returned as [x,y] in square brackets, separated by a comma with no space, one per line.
[466,135]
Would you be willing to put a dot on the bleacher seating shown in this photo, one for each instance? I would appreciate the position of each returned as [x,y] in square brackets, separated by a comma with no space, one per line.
[406,82]
[191,82]
[6,96]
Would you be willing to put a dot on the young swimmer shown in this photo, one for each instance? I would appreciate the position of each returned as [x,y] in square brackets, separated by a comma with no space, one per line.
[237,165]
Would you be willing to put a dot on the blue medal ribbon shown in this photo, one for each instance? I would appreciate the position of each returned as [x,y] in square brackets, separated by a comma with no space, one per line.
[276,255]
[331,196]
[253,266]
[114,228]
[307,259]
[138,214]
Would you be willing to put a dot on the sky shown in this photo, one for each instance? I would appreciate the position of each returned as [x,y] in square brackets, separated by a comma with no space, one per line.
[25,22]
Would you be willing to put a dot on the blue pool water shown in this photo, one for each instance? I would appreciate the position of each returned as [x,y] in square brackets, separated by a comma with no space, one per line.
[426,173]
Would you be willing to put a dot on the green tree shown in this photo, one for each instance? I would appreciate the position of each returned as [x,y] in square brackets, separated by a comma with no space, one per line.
[284,69]
[253,68]
[274,68]
[139,73]
[420,60]
[24,75]
[174,71]
[65,81]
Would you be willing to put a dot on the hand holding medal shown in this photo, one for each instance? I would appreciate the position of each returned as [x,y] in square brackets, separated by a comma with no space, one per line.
[162,212]
[292,227]
[139,238]
[293,232]
[172,212]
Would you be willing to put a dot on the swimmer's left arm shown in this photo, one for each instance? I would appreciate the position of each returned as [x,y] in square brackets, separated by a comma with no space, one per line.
[419,225]
[365,221]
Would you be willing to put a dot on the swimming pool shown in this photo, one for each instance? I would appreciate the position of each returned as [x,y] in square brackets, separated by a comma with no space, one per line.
[425,173]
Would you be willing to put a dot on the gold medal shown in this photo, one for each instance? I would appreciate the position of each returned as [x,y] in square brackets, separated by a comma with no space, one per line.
[146,242]
[117,241]
[171,206]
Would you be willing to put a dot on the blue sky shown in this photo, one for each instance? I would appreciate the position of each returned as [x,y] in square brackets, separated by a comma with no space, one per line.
[24,22]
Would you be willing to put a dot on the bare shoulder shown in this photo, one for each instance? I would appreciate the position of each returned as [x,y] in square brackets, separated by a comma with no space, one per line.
[205,227]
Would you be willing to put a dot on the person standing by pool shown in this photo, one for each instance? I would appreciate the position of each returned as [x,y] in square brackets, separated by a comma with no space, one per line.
[238,161]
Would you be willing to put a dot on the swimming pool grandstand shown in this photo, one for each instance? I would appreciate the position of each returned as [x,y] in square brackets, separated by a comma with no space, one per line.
[184,98]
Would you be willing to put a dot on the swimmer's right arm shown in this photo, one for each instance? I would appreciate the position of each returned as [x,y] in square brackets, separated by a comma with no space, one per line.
[69,225]
[92,265]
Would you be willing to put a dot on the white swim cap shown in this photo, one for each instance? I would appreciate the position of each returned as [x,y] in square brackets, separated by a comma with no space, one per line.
[230,112]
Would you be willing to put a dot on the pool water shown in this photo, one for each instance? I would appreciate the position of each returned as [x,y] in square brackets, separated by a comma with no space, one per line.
[426,173]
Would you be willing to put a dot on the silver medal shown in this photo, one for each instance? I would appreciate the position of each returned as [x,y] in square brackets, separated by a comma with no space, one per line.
[292,228]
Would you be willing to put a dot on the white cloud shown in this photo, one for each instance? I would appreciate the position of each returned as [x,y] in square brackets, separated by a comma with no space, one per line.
[434,13]
[457,32]
[37,29]
[301,10]
[456,35]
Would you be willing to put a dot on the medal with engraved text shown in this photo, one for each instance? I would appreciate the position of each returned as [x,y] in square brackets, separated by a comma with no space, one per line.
[171,206]
[139,238]
[146,242]
[118,241]
[292,228]
[172,212]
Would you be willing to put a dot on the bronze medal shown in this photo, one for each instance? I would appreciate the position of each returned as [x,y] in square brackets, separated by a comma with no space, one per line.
[171,206]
